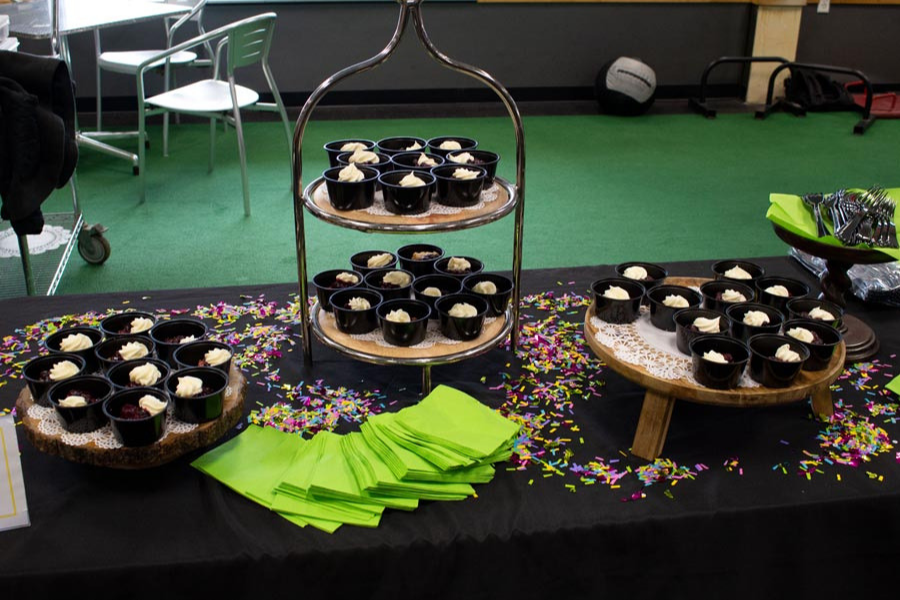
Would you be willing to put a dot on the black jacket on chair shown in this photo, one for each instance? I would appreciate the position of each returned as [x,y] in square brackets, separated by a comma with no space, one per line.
[38,151]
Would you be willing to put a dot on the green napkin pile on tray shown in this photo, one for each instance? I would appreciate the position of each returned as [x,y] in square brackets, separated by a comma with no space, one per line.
[790,213]
[434,450]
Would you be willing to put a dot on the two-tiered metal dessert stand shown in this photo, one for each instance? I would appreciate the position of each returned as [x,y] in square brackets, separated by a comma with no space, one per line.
[511,197]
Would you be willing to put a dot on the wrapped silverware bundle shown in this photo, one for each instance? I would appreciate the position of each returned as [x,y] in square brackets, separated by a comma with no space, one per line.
[858,217]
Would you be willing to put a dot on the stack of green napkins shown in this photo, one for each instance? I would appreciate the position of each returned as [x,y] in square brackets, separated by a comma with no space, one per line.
[434,450]
[789,212]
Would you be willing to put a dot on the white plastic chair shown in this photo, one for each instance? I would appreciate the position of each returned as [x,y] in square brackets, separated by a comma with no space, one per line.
[127,62]
[247,42]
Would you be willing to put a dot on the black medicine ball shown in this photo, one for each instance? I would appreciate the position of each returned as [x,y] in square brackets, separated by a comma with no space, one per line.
[625,86]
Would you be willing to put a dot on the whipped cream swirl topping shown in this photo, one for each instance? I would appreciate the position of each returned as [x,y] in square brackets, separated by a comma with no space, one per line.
[133,350]
[63,370]
[802,334]
[785,354]
[465,174]
[737,272]
[425,160]
[463,158]
[778,290]
[75,342]
[398,278]
[755,318]
[733,296]
[363,157]
[216,357]
[379,260]
[458,265]
[635,272]
[707,325]
[353,147]
[432,292]
[820,314]
[450,145]
[73,401]
[359,304]
[347,278]
[189,386]
[140,324]
[615,292]
[187,339]
[398,316]
[716,357]
[462,310]
[411,180]
[146,375]
[675,301]
[152,404]
[485,287]
[351,174]
[415,146]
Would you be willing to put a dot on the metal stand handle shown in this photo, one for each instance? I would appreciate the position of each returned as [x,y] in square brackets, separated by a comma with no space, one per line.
[698,105]
[409,9]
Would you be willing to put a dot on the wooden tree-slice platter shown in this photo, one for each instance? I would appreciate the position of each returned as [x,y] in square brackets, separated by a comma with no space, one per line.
[316,200]
[370,351]
[164,451]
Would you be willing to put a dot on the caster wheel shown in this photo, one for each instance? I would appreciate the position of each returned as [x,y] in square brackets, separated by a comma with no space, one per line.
[93,247]
[135,170]
[147,144]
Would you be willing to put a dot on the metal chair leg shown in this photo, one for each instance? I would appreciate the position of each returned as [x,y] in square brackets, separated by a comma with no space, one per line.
[241,149]
[212,144]
[26,264]
[99,93]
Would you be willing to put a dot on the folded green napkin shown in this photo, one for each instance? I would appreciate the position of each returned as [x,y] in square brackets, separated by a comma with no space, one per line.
[442,457]
[894,385]
[789,212]
[322,514]
[455,420]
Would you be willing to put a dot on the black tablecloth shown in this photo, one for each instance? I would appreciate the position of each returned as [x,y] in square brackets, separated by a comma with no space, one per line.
[760,532]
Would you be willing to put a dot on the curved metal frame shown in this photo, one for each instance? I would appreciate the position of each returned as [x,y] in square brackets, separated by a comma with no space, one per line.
[699,104]
[409,9]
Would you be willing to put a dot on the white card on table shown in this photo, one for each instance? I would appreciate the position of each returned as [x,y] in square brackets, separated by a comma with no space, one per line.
[13,508]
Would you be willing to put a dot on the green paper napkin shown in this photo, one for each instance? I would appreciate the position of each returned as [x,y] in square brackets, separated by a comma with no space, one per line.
[442,457]
[321,514]
[894,385]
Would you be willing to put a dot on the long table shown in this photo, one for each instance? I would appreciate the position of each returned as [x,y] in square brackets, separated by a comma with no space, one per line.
[736,514]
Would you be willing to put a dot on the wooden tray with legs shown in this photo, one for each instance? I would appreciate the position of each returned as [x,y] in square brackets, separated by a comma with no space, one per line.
[659,400]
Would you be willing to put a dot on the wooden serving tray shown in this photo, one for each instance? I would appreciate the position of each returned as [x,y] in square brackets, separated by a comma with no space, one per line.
[154,455]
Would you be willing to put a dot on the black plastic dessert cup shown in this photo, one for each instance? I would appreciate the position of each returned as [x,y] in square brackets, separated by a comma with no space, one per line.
[351,195]
[326,284]
[768,370]
[821,350]
[656,274]
[476,266]
[132,432]
[120,324]
[497,302]
[662,316]
[81,419]
[616,311]
[448,285]
[480,158]
[406,200]
[119,375]
[715,375]
[355,322]
[166,334]
[421,266]
[685,332]
[191,355]
[466,145]
[360,261]
[712,293]
[796,289]
[37,374]
[91,364]
[374,281]
[742,331]
[334,149]
[107,351]
[754,269]
[458,193]
[799,308]
[205,406]
[384,164]
[464,329]
[404,334]
[398,144]
[406,161]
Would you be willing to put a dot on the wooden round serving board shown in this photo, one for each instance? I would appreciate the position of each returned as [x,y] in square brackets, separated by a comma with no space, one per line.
[807,383]
[173,446]
[361,219]
[372,351]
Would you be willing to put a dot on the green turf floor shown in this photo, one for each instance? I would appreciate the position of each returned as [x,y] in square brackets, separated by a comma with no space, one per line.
[599,190]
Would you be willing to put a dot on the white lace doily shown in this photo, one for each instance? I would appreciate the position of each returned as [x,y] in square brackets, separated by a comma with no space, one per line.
[489,195]
[51,238]
[50,423]
[642,344]
[433,335]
